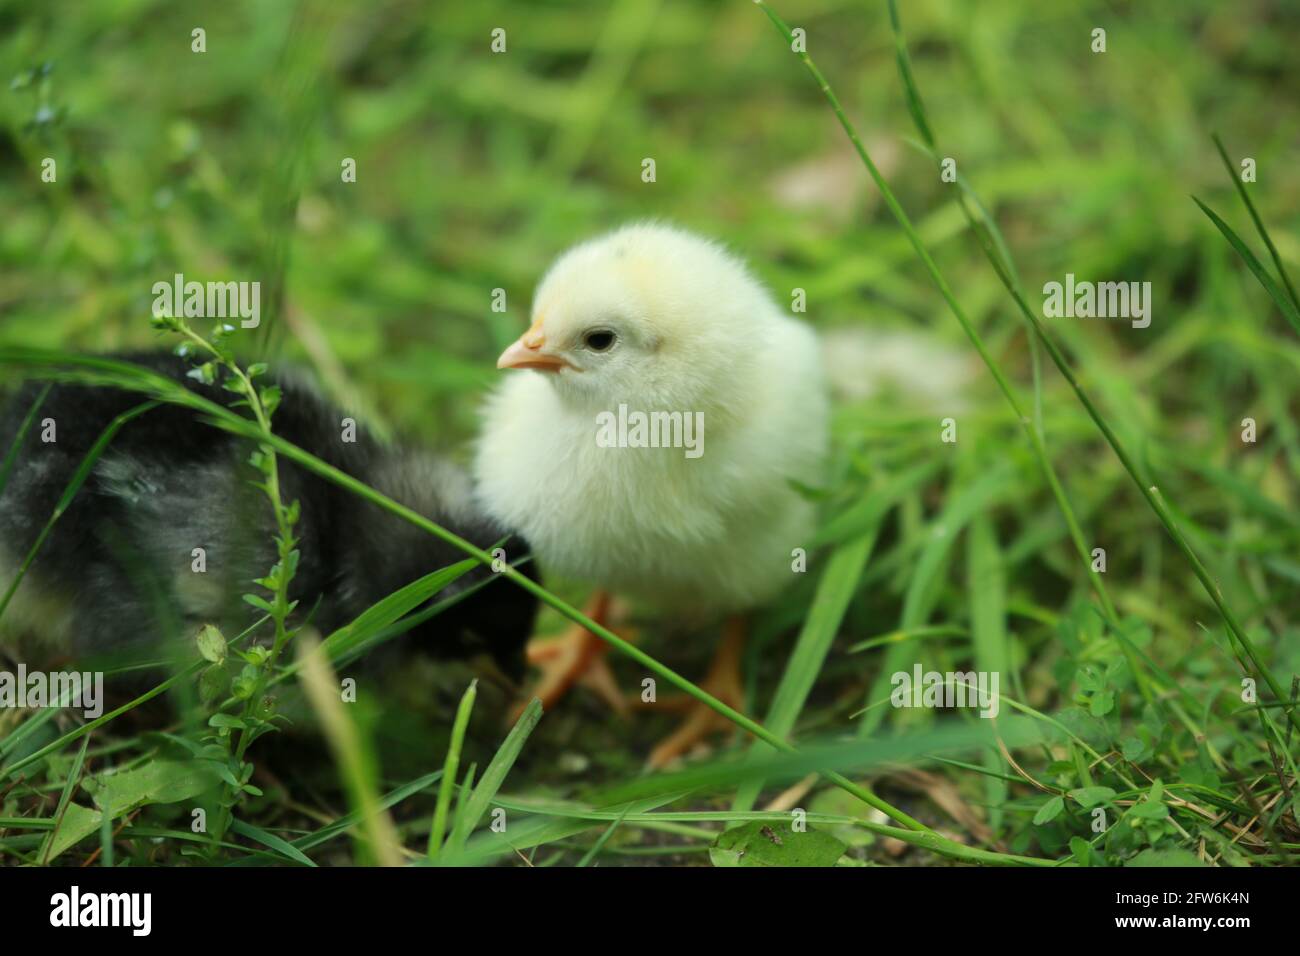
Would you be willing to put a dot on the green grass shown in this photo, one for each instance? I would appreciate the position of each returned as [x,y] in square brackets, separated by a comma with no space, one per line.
[1121,691]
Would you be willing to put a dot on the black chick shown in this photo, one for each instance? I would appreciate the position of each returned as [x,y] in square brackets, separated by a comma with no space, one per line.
[117,576]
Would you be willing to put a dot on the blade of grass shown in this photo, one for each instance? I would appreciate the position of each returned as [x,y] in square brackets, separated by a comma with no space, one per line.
[918,602]
[987,585]
[74,777]
[280,845]
[495,775]
[355,760]
[450,767]
[1254,215]
[349,820]
[347,640]
[1275,292]
[79,477]
[908,634]
[604,838]
[864,515]
[835,590]
[466,790]
[12,455]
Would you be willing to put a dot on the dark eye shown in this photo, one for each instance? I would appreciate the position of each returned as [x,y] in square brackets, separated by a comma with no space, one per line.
[599,340]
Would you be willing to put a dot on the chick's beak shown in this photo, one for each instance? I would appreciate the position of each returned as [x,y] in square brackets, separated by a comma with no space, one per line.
[529,352]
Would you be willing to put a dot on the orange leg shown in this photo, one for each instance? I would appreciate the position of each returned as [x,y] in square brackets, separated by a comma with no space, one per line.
[575,657]
[723,681]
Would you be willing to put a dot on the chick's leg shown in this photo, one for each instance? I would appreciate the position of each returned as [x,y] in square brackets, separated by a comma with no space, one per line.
[576,657]
[723,681]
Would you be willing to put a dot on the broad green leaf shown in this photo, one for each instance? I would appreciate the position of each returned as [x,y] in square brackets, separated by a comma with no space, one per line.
[768,843]
[115,794]
[159,781]
[78,823]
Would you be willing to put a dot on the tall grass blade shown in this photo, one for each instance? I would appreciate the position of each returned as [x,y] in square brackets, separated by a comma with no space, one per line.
[834,592]
[495,774]
[987,586]
[1275,292]
[78,479]
[11,455]
[450,768]
[355,759]
[1255,217]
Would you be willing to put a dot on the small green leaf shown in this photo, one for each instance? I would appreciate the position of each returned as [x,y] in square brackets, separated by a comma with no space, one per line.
[774,843]
[1049,811]
[205,373]
[270,396]
[246,683]
[260,603]
[1084,854]
[1089,797]
[1149,810]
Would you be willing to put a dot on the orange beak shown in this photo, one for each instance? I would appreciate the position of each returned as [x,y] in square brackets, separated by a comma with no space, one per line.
[529,352]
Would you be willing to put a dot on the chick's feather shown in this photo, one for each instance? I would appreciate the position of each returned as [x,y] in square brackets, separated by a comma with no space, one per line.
[117,573]
[706,534]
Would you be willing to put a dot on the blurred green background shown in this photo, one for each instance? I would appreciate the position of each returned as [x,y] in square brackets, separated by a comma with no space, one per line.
[475,169]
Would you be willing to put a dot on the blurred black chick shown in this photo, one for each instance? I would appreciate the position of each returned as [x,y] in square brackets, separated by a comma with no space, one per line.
[118,572]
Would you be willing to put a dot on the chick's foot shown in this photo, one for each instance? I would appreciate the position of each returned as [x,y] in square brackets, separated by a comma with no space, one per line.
[575,657]
[724,682]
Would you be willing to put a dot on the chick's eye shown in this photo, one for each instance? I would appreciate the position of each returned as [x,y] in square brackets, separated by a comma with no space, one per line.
[599,340]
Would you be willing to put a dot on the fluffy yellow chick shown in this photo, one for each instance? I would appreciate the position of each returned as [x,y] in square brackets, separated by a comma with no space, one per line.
[652,447]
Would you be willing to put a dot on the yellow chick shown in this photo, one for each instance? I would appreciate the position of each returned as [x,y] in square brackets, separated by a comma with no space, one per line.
[653,446]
